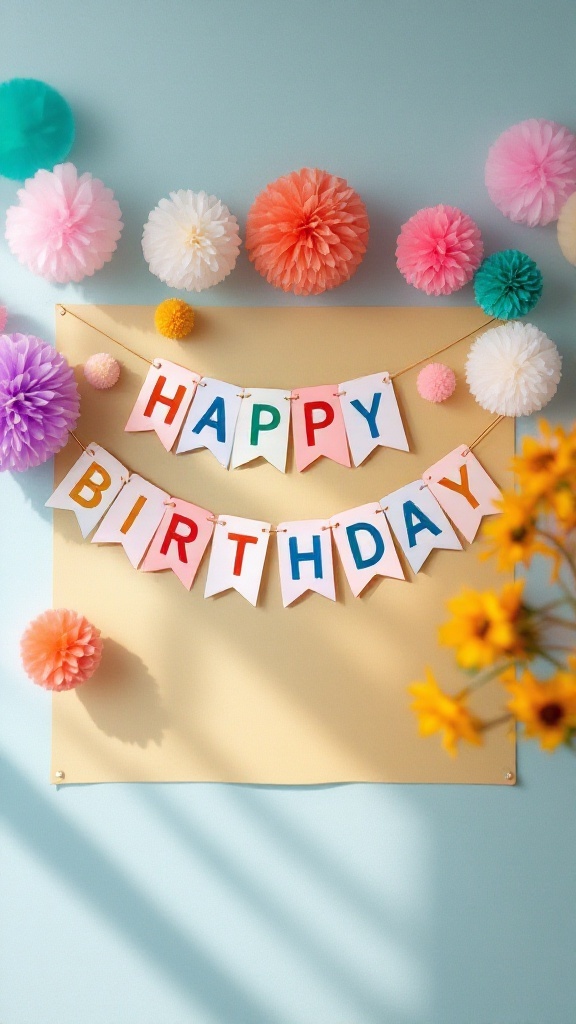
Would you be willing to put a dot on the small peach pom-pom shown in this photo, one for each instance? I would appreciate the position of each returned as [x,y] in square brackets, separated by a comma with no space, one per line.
[174,318]
[102,371]
[307,232]
[60,649]
[531,171]
[436,382]
[439,249]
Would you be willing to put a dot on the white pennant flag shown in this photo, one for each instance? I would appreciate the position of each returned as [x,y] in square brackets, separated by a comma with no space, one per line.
[418,523]
[211,419]
[263,427]
[371,415]
[89,488]
[463,489]
[134,518]
[305,556]
[237,557]
[365,546]
[163,401]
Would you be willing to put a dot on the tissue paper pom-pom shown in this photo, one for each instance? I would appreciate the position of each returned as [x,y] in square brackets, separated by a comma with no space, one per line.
[567,229]
[60,649]
[3,318]
[307,232]
[174,318]
[39,401]
[436,382]
[531,171]
[36,127]
[102,371]
[191,240]
[507,284]
[513,370]
[66,225]
[439,249]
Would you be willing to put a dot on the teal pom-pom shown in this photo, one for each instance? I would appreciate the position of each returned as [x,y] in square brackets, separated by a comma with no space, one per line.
[507,284]
[36,128]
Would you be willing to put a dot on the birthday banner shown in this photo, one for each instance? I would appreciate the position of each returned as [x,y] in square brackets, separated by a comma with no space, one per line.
[240,424]
[161,532]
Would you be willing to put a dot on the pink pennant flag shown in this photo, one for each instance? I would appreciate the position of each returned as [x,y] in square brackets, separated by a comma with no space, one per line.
[318,426]
[89,488]
[305,556]
[134,518]
[464,490]
[237,557]
[163,401]
[180,541]
[365,546]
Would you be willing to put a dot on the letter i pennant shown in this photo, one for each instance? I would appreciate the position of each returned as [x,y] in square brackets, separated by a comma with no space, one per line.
[89,488]
[463,489]
[237,557]
[305,556]
[163,401]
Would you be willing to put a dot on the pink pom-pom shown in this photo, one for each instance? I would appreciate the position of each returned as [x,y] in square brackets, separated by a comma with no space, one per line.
[436,382]
[531,171]
[60,649]
[102,370]
[439,249]
[66,226]
[3,318]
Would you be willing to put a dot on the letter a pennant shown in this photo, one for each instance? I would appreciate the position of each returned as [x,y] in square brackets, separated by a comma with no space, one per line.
[211,421]
[463,489]
[89,488]
[237,557]
[305,556]
[163,401]
[418,523]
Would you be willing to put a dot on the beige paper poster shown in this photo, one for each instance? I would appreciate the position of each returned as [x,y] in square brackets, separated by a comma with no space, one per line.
[195,689]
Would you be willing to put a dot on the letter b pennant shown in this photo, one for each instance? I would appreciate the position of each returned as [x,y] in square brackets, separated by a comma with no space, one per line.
[90,487]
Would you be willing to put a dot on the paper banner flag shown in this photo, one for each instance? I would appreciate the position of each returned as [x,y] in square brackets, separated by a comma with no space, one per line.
[318,426]
[371,415]
[89,488]
[418,523]
[180,541]
[134,518]
[163,401]
[262,427]
[237,557]
[365,546]
[211,420]
[305,556]
[463,489]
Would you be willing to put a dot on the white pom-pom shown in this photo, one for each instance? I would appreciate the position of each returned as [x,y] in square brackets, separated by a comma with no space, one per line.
[191,240]
[513,369]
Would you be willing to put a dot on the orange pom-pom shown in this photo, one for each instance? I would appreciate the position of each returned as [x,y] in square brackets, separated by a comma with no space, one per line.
[174,318]
[307,232]
[60,649]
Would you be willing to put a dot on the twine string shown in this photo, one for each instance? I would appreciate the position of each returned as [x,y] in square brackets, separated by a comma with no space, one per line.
[443,349]
[64,310]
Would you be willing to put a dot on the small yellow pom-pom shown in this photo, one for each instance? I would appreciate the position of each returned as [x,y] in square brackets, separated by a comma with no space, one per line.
[174,318]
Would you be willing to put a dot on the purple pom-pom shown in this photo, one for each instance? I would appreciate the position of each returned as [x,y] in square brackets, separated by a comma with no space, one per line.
[39,401]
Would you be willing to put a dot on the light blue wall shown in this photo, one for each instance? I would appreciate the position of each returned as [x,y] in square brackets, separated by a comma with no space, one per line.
[209,904]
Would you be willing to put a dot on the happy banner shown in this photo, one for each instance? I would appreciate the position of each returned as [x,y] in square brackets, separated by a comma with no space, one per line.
[160,532]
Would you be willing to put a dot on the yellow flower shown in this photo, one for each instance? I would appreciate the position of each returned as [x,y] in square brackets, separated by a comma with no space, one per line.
[437,712]
[545,460]
[513,533]
[486,626]
[547,710]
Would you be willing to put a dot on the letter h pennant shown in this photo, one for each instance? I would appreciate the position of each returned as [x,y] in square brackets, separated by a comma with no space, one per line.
[163,401]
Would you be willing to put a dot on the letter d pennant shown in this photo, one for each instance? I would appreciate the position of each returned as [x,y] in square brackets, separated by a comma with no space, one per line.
[365,546]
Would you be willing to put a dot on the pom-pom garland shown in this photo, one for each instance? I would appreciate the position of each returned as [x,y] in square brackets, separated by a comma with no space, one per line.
[567,229]
[436,382]
[60,649]
[3,318]
[39,401]
[174,318]
[438,249]
[507,284]
[307,232]
[513,369]
[36,128]
[531,171]
[102,371]
[191,240]
[66,226]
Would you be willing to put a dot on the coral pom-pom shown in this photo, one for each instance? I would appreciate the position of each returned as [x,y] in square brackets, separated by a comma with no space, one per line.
[438,249]
[513,369]
[3,318]
[36,127]
[507,284]
[174,318]
[60,649]
[567,229]
[307,232]
[436,382]
[102,371]
[531,171]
